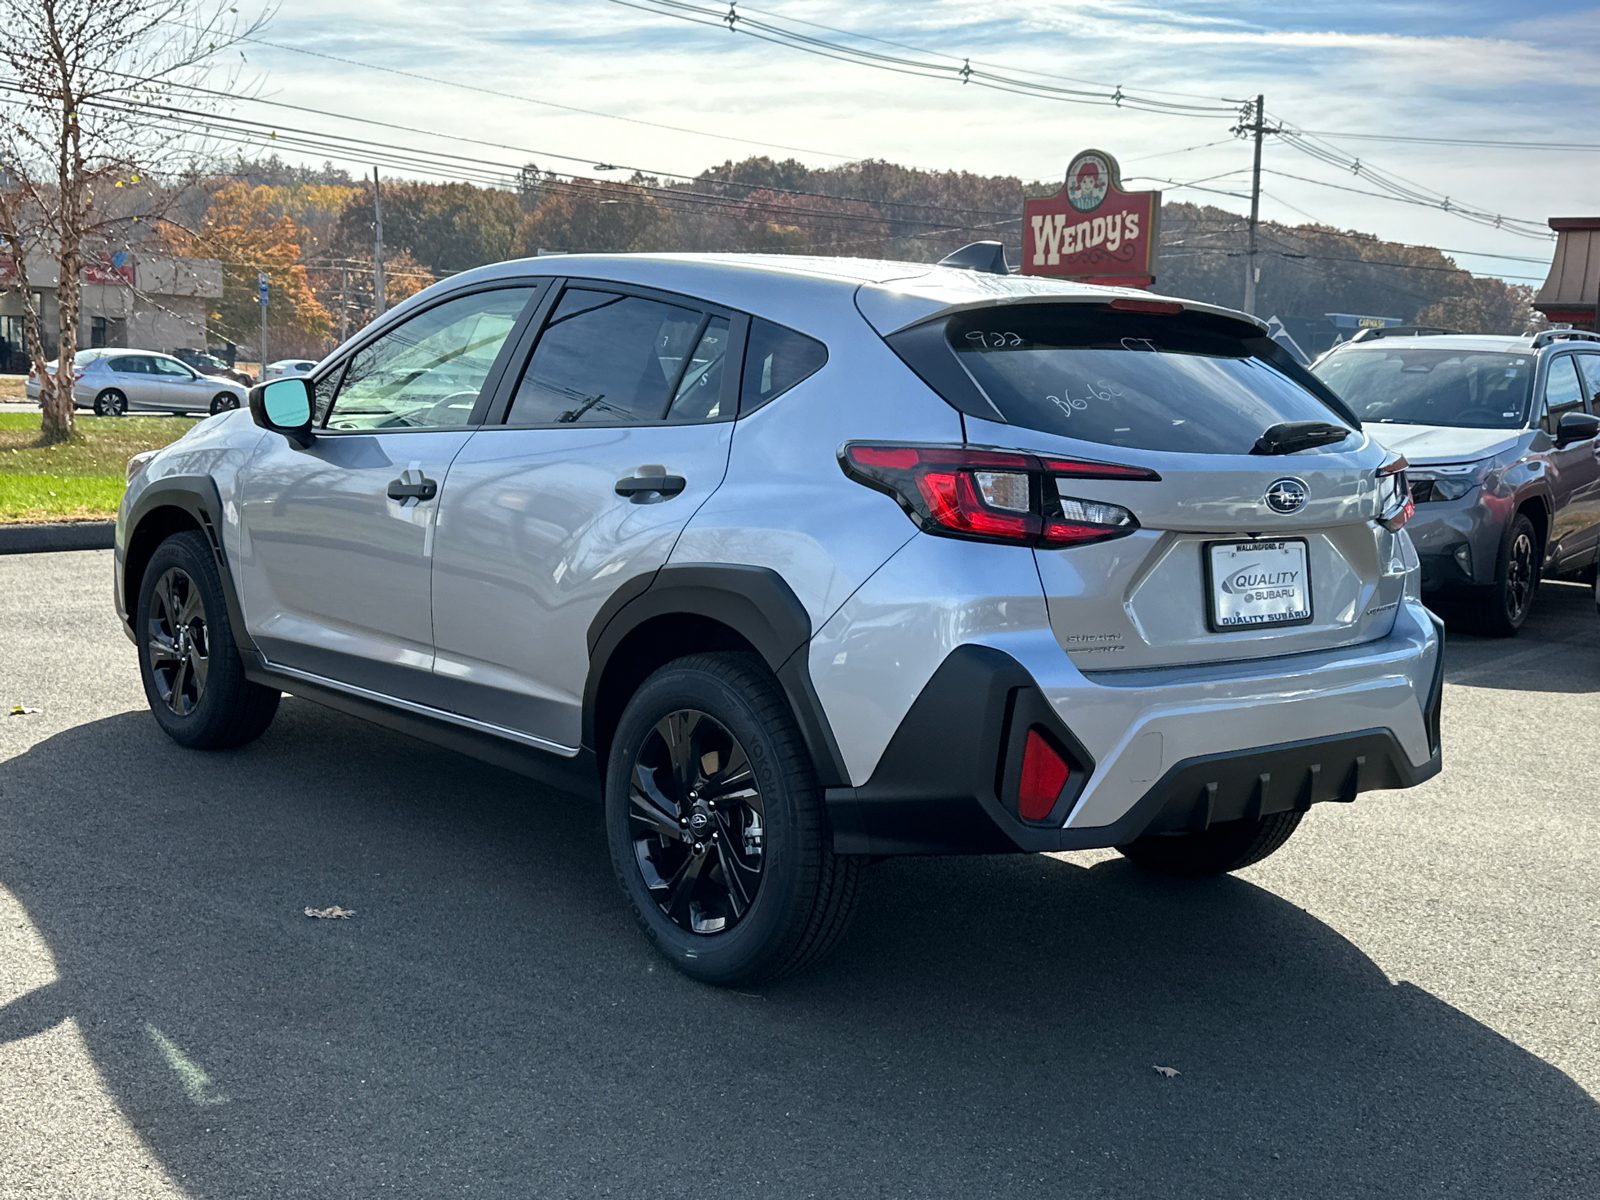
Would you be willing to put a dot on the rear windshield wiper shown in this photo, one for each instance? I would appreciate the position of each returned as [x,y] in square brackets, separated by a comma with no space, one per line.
[1288,436]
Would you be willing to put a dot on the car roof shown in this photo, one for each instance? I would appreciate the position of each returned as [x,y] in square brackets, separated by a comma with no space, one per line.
[1488,342]
[890,294]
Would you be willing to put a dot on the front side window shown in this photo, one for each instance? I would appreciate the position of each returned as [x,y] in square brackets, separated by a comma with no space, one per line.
[606,358]
[1395,384]
[427,372]
[1563,392]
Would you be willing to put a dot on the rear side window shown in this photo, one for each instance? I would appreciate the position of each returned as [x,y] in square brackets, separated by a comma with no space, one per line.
[607,358]
[775,359]
[1186,382]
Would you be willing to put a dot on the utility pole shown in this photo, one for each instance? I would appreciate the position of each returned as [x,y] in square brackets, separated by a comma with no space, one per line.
[377,249]
[1252,273]
[344,304]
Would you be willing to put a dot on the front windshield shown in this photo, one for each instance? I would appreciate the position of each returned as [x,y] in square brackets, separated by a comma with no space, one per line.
[1465,389]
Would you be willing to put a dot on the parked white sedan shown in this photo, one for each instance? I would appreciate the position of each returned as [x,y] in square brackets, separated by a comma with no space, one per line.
[116,381]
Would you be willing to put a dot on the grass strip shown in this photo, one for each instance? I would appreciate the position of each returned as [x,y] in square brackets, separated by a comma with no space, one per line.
[78,480]
[54,498]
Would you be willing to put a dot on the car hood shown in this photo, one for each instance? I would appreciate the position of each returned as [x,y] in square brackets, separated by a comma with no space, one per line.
[1424,444]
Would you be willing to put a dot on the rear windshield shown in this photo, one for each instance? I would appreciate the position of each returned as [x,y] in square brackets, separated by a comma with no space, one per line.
[1468,389]
[1187,382]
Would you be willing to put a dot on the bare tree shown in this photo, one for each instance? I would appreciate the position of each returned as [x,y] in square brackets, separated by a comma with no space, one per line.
[97,132]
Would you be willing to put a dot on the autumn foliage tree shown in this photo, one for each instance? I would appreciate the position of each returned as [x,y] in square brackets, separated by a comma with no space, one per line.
[247,230]
[74,133]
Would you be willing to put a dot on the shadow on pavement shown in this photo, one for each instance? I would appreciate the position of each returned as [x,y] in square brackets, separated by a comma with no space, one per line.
[489,1023]
[1556,650]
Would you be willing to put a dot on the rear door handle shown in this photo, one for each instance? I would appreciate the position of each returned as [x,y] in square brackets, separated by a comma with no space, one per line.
[650,479]
[412,485]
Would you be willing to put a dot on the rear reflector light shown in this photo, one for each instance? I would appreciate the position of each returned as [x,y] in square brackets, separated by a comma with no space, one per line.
[993,495]
[1044,774]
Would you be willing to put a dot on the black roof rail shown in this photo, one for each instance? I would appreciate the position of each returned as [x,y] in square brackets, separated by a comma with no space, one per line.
[1372,335]
[1544,337]
[988,257]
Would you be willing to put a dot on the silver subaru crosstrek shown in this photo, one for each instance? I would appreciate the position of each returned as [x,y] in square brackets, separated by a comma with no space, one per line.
[796,563]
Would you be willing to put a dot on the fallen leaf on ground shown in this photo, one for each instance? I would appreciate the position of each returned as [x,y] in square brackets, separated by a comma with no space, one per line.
[22,710]
[337,912]
[1169,1072]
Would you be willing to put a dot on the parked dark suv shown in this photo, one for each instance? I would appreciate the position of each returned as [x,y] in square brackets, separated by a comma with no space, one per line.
[1500,433]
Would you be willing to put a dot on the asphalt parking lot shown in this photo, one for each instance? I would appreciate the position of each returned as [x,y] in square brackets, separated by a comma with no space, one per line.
[1403,1002]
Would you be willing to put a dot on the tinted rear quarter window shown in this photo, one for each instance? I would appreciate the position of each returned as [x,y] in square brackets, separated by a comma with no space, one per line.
[775,359]
[1187,382]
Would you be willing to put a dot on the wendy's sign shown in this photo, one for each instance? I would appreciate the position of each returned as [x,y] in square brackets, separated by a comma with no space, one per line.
[1092,230]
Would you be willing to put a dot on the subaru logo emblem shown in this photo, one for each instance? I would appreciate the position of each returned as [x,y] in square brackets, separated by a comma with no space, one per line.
[1286,495]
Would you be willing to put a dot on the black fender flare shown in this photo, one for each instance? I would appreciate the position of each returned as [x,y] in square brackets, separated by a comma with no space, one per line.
[196,495]
[757,604]
[1538,490]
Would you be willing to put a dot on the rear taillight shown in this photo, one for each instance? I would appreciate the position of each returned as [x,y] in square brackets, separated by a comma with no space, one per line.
[993,495]
[1396,504]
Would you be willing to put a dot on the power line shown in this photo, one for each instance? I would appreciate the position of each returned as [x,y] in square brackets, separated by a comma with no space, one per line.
[966,73]
[1481,143]
[588,112]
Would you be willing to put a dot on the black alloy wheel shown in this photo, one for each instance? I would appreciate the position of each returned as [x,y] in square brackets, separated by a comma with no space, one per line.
[179,641]
[222,402]
[697,822]
[1521,576]
[194,677]
[718,833]
[1501,612]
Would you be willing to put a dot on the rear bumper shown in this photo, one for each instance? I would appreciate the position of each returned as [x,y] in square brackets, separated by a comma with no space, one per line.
[1193,753]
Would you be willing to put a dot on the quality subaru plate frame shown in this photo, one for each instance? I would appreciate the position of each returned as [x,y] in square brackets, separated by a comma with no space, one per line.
[1211,586]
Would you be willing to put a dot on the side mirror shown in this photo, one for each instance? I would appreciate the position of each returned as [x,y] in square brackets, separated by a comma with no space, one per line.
[1576,427]
[284,406]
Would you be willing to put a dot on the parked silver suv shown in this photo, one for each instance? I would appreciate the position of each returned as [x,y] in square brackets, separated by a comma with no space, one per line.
[1503,437]
[797,563]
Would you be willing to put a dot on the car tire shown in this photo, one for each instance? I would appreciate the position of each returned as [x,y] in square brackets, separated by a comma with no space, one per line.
[193,676]
[222,402]
[110,403]
[1227,846]
[764,895]
[1501,611]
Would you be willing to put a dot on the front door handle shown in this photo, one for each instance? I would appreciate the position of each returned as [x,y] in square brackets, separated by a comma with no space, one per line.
[412,485]
[650,480]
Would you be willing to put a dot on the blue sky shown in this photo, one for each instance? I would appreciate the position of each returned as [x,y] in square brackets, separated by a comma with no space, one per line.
[1464,69]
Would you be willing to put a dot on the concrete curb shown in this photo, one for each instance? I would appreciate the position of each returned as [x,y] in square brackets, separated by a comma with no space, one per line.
[62,535]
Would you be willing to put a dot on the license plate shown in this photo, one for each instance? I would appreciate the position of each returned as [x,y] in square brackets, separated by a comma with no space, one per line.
[1257,583]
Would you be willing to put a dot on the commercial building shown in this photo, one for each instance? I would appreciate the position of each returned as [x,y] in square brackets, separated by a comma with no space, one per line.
[144,301]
